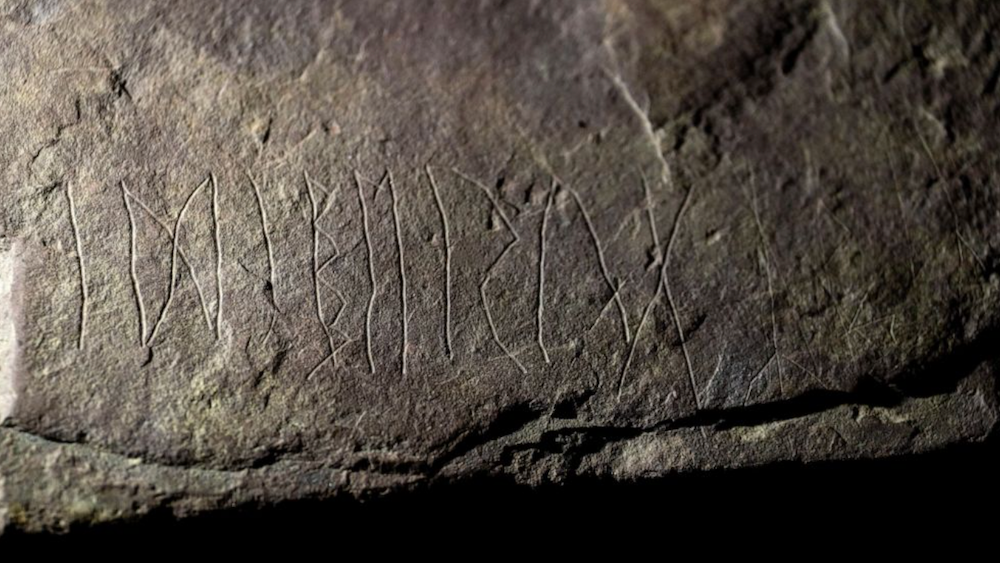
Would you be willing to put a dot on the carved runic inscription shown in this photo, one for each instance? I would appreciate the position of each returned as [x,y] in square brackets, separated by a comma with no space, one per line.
[357,314]
[177,257]
[81,265]
[371,274]
[446,233]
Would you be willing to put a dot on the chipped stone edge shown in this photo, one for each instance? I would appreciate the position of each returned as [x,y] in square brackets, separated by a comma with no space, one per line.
[52,486]
[8,329]
[968,414]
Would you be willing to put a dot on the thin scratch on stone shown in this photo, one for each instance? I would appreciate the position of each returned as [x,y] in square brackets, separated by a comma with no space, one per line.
[447,262]
[715,372]
[541,272]
[635,342]
[489,271]
[84,294]
[336,249]
[857,312]
[327,205]
[337,350]
[133,273]
[218,258]
[770,285]
[607,305]
[898,188]
[870,323]
[173,262]
[835,219]
[270,328]
[803,368]
[652,300]
[899,199]
[329,238]
[315,263]
[972,251]
[184,259]
[662,283]
[323,189]
[489,315]
[647,194]
[326,235]
[326,263]
[371,273]
[340,310]
[670,297]
[271,271]
[616,295]
[947,193]
[930,155]
[757,376]
[402,269]
[321,363]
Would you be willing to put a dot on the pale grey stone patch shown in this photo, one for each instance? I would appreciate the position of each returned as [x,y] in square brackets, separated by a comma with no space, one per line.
[8,339]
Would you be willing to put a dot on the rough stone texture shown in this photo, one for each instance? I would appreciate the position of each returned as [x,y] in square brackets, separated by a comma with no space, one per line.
[264,251]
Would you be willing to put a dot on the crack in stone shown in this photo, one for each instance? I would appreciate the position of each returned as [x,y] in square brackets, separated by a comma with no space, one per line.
[521,417]
[870,393]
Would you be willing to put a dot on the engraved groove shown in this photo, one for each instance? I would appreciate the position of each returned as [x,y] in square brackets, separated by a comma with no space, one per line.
[271,271]
[84,295]
[616,294]
[173,263]
[184,259]
[133,251]
[447,263]
[371,273]
[315,266]
[489,271]
[662,283]
[541,271]
[402,269]
[218,258]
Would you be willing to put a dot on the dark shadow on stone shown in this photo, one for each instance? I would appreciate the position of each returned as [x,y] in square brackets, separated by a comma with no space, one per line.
[907,487]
